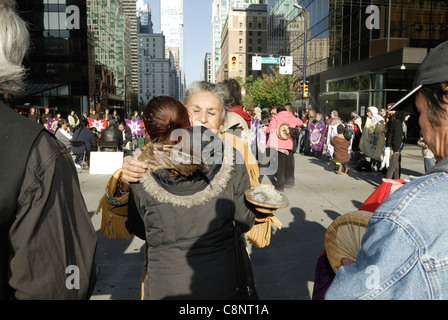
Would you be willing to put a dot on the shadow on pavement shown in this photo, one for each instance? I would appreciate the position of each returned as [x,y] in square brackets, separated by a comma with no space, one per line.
[285,269]
[120,262]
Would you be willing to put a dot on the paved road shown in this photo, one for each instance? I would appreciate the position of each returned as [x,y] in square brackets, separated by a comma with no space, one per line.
[285,269]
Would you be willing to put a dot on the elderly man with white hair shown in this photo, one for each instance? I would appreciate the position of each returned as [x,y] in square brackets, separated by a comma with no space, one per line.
[47,241]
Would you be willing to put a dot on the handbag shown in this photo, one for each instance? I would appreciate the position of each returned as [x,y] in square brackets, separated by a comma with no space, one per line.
[244,276]
[245,281]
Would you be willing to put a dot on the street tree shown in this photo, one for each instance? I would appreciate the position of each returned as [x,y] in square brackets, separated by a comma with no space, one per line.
[268,90]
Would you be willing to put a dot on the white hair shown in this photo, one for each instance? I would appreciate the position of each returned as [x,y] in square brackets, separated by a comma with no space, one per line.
[14,43]
[220,90]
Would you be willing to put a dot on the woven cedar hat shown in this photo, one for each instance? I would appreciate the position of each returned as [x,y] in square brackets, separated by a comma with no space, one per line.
[344,236]
[283,132]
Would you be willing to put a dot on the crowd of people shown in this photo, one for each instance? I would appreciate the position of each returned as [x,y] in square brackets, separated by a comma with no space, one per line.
[309,134]
[193,214]
[375,146]
[80,138]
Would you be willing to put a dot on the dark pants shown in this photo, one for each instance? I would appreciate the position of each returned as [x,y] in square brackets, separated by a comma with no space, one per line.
[289,177]
[334,166]
[285,172]
[307,145]
[394,166]
[78,158]
[429,163]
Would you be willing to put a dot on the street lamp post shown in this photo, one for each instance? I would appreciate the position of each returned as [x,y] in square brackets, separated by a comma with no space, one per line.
[305,42]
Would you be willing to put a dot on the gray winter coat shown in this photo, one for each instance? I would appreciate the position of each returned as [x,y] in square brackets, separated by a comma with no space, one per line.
[188,225]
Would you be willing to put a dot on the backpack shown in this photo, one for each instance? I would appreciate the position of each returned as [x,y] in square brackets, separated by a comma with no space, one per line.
[349,133]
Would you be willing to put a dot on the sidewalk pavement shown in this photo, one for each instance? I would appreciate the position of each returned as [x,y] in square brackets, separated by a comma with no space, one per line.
[285,269]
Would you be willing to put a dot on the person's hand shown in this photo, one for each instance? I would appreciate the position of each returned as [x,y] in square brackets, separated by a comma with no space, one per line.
[346,261]
[395,185]
[132,170]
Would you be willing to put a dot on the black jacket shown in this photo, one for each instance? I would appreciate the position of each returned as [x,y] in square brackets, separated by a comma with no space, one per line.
[112,135]
[394,135]
[188,225]
[50,237]
[89,138]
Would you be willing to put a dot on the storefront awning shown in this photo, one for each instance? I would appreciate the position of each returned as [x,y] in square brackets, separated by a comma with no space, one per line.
[32,89]
[331,96]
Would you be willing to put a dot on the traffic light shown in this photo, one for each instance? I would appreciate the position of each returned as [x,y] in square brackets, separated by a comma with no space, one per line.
[233,63]
[305,91]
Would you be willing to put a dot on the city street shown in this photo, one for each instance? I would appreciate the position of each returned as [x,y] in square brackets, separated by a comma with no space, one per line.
[148,67]
[285,269]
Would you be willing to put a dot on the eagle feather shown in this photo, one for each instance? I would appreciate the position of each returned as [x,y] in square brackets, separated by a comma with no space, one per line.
[158,156]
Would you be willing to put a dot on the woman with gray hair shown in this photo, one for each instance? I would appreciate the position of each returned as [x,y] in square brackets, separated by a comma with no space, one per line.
[46,235]
[207,104]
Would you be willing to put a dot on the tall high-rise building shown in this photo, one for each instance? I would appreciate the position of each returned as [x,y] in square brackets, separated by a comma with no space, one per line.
[172,27]
[243,36]
[66,63]
[153,68]
[130,10]
[60,62]
[144,21]
[206,74]
[220,10]
[112,40]
[157,75]
[359,53]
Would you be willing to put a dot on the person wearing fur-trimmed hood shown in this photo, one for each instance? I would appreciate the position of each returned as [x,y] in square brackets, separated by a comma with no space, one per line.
[186,211]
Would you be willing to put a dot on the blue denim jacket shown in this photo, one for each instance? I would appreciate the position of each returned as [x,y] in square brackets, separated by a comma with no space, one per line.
[404,253]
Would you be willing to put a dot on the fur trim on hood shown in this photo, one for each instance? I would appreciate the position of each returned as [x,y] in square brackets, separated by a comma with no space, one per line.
[158,184]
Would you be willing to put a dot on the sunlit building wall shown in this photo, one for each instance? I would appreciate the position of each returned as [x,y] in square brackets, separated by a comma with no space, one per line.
[112,37]
[220,10]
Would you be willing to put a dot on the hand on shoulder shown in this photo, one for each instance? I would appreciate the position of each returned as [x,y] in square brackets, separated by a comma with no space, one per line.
[132,170]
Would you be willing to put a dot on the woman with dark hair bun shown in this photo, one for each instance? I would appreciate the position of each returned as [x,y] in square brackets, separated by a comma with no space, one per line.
[187,212]
[162,116]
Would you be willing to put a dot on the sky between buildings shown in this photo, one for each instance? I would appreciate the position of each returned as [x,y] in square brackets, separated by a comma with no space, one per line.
[197,33]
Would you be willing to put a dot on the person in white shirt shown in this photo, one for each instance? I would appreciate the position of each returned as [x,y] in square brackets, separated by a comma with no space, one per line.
[63,134]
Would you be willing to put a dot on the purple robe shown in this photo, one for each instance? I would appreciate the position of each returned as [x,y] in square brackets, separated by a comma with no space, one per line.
[317,134]
[324,276]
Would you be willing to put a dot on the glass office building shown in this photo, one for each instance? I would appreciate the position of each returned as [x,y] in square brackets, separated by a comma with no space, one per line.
[58,61]
[74,42]
[172,27]
[359,53]
[111,31]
